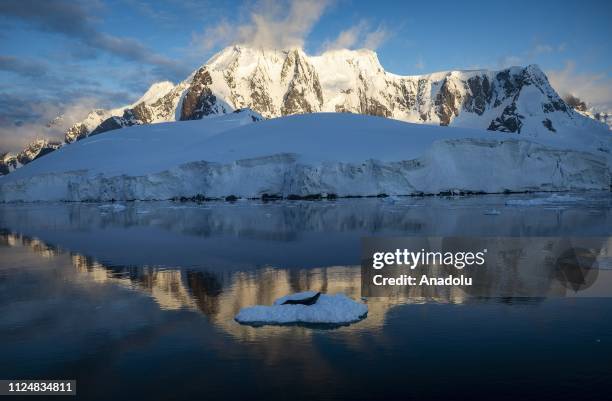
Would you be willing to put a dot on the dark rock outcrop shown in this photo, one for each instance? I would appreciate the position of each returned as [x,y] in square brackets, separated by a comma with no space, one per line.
[508,121]
[199,99]
[108,125]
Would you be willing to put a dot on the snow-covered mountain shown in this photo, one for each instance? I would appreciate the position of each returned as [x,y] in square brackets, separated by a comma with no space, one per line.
[38,148]
[595,112]
[276,83]
[312,155]
[604,117]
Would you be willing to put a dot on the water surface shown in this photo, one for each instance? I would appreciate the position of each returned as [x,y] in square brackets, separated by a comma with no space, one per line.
[138,299]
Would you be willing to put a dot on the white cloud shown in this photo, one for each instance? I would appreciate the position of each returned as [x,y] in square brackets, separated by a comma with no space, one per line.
[595,89]
[270,24]
[346,39]
[374,39]
[14,137]
[529,56]
[541,49]
[212,37]
[358,36]
[420,64]
[509,61]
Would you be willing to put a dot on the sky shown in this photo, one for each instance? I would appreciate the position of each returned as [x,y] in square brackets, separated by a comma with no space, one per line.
[69,56]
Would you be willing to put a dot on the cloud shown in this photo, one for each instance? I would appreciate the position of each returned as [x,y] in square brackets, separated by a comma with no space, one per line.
[220,34]
[509,61]
[269,25]
[594,88]
[75,20]
[420,64]
[23,119]
[270,28]
[529,56]
[374,39]
[542,49]
[348,38]
[23,66]
[359,35]
[69,89]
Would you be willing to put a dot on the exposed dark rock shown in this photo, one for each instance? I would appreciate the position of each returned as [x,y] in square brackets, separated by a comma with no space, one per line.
[445,103]
[109,124]
[304,82]
[304,301]
[35,150]
[372,107]
[196,198]
[8,163]
[558,105]
[509,121]
[479,95]
[260,98]
[44,151]
[139,113]
[305,197]
[271,197]
[548,124]
[340,108]
[408,98]
[164,106]
[510,83]
[199,99]
[76,132]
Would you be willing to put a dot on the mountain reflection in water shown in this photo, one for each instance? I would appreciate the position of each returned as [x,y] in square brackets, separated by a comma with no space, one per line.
[150,292]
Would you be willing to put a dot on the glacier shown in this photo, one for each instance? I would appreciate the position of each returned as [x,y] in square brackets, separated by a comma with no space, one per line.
[322,154]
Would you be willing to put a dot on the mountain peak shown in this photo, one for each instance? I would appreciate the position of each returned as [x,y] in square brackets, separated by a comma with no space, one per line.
[155,91]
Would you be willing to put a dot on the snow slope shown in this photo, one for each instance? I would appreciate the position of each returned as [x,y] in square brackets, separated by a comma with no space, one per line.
[339,153]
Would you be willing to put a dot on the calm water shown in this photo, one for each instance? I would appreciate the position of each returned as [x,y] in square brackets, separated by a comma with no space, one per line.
[138,302]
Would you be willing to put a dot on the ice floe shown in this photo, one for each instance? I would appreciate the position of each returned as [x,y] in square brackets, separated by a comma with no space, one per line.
[112,207]
[553,200]
[335,309]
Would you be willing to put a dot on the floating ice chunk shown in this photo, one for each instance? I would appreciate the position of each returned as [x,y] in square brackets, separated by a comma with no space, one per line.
[335,309]
[492,212]
[555,199]
[112,207]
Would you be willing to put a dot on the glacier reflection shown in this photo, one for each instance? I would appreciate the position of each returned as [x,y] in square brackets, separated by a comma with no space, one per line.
[216,258]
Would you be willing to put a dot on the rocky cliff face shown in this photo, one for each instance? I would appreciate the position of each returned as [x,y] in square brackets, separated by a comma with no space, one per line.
[38,148]
[283,82]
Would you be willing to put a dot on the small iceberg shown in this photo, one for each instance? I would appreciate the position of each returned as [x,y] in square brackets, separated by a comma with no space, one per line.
[492,212]
[112,207]
[555,199]
[305,308]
